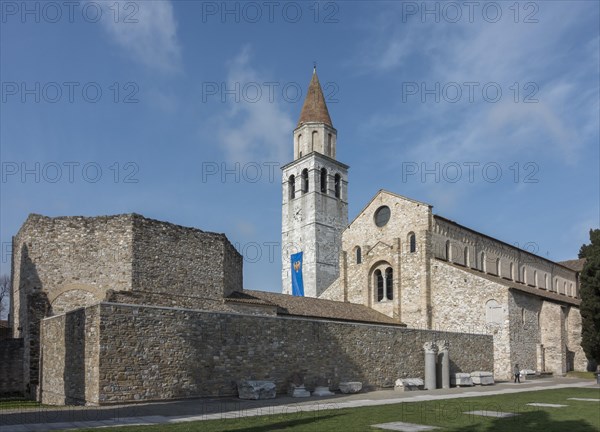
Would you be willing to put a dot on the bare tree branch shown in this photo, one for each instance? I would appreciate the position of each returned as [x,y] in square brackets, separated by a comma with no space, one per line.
[4,294]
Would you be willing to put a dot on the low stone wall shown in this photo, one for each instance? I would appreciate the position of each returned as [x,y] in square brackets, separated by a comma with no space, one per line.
[110,353]
[151,353]
[11,367]
[69,350]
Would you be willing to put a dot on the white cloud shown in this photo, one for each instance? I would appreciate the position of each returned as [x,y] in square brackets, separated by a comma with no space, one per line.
[482,52]
[151,39]
[253,131]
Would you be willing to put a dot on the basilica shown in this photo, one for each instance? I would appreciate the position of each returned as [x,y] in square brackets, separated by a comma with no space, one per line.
[123,308]
[419,268]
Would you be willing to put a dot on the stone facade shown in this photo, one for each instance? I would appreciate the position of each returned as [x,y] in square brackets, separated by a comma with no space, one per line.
[111,353]
[313,220]
[65,263]
[71,345]
[446,276]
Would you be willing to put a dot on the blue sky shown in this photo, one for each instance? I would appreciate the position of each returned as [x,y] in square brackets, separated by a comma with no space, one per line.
[489,112]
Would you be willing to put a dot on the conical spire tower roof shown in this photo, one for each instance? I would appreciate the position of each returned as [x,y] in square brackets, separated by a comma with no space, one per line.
[314,108]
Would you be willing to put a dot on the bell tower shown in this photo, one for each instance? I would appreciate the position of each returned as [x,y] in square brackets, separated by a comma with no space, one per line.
[315,198]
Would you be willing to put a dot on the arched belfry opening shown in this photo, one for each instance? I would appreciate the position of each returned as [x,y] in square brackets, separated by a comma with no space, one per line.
[314,210]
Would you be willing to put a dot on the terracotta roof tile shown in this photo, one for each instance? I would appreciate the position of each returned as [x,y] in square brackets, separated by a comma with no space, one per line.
[314,108]
[313,307]
[575,264]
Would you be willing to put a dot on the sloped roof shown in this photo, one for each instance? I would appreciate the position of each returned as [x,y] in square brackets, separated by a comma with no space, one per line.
[314,108]
[540,292]
[384,191]
[313,307]
[574,264]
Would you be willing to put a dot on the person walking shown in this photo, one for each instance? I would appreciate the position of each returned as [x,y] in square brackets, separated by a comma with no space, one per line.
[517,374]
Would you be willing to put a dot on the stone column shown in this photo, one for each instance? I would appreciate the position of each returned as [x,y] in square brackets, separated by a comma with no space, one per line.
[540,358]
[430,370]
[444,363]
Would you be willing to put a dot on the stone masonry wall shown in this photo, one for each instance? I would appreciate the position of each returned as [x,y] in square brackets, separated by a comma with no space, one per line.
[60,255]
[185,261]
[525,335]
[11,367]
[463,246]
[65,263]
[70,349]
[460,303]
[313,222]
[579,361]
[151,353]
[552,329]
[388,245]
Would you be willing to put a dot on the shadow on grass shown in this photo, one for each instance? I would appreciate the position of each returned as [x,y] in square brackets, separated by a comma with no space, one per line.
[536,421]
[284,424]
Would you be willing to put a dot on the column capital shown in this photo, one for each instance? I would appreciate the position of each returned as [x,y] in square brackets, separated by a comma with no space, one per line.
[443,345]
[430,347]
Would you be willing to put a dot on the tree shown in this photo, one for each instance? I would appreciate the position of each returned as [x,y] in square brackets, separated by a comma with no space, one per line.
[590,297]
[4,295]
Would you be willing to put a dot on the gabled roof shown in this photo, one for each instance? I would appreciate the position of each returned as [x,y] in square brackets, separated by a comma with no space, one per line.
[314,108]
[575,264]
[313,307]
[383,191]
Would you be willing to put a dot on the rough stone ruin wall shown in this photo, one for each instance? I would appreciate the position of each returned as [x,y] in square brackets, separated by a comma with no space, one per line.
[135,353]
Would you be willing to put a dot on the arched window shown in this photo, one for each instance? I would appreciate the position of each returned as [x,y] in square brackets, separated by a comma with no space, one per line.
[493,312]
[313,141]
[323,180]
[358,255]
[535,279]
[300,154]
[498,267]
[328,149]
[379,283]
[389,283]
[412,242]
[448,251]
[524,275]
[305,180]
[555,285]
[338,186]
[299,145]
[571,289]
[545,281]
[512,271]
[482,261]
[564,290]
[292,186]
[466,256]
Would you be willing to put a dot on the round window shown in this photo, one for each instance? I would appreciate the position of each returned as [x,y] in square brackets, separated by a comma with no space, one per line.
[382,216]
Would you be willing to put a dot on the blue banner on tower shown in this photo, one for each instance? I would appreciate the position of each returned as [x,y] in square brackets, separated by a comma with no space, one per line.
[297,283]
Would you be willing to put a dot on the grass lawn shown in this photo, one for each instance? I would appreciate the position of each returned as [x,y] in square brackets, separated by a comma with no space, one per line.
[579,416]
[10,403]
[583,375]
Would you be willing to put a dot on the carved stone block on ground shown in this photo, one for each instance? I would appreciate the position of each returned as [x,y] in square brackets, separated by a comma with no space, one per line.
[253,389]
[482,378]
[409,384]
[350,387]
[461,379]
[322,391]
